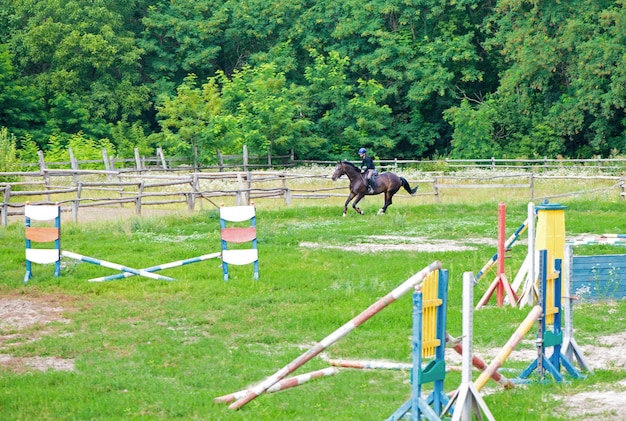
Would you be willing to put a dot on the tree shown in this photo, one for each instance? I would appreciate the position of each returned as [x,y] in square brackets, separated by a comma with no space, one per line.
[473,132]
[82,60]
[348,116]
[19,106]
[564,76]
[266,113]
[8,151]
[189,121]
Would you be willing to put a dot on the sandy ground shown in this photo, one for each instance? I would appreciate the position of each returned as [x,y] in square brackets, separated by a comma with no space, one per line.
[26,319]
[604,403]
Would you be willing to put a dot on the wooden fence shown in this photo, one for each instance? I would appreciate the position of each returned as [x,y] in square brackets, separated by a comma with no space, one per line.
[245,162]
[161,163]
[75,189]
[151,181]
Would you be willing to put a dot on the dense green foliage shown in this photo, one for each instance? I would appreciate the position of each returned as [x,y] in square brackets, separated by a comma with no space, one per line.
[413,79]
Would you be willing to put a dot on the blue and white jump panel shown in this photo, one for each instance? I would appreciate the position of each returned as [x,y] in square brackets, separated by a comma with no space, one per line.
[599,277]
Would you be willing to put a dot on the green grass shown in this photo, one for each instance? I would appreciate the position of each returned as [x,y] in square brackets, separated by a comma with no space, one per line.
[147,349]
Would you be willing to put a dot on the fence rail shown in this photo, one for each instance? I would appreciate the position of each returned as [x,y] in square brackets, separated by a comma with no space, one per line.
[244,162]
[141,186]
[72,192]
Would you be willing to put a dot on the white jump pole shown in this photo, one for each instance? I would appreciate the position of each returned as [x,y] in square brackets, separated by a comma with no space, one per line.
[111,265]
[467,395]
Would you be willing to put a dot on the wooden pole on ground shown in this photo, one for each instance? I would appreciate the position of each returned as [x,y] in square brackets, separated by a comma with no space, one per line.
[406,286]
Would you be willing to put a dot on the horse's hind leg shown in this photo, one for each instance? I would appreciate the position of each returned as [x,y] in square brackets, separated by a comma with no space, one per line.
[388,201]
[382,210]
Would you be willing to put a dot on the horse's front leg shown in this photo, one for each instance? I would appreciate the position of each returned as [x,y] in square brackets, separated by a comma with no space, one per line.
[345,206]
[357,200]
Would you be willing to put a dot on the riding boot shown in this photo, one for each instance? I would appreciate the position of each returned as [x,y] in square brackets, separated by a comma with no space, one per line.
[370,186]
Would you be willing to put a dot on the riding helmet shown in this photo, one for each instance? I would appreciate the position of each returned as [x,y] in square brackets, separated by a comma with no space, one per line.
[362,150]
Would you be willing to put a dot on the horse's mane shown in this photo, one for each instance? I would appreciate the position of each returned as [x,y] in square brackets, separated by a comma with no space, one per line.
[351,164]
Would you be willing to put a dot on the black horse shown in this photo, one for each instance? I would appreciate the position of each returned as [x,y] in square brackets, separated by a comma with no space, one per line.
[387,183]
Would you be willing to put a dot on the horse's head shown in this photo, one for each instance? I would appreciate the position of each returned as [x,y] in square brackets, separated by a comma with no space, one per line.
[339,171]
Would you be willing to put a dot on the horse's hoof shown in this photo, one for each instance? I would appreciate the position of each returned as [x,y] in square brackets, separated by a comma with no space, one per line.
[344,215]
[381,212]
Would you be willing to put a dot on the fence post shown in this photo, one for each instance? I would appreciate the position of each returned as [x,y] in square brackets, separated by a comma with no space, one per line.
[220,160]
[493,163]
[245,158]
[621,188]
[137,161]
[269,159]
[436,189]
[76,203]
[5,205]
[291,158]
[195,191]
[531,181]
[73,162]
[286,191]
[73,165]
[44,170]
[240,197]
[42,162]
[138,201]
[160,155]
[105,159]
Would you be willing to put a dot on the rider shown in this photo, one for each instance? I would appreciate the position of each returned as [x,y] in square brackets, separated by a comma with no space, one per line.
[367,168]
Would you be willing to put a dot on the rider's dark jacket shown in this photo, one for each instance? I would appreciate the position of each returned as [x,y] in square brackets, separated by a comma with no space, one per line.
[367,163]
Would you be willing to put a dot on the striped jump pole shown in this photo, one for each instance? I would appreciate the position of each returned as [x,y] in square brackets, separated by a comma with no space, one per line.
[509,243]
[479,364]
[504,353]
[402,289]
[369,365]
[528,271]
[110,265]
[604,239]
[283,384]
[158,267]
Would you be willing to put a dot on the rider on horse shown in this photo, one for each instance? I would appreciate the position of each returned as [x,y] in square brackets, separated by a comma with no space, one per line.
[367,168]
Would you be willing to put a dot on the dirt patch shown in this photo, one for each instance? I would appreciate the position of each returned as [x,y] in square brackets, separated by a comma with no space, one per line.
[606,402]
[24,320]
[383,243]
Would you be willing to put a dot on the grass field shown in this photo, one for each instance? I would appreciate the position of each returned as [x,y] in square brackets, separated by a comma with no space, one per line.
[145,349]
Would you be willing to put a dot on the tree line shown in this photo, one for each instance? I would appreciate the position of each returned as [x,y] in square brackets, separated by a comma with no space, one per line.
[410,79]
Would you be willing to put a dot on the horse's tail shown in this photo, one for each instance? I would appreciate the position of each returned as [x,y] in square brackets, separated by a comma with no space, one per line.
[407,187]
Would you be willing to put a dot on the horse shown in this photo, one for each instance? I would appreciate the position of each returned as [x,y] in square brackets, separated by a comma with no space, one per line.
[388,183]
